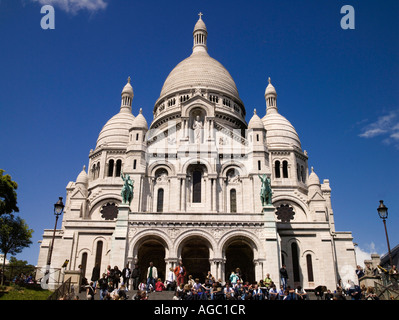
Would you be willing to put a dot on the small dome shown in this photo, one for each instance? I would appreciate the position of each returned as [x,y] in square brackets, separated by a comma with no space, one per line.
[279,131]
[82,177]
[128,89]
[313,179]
[255,122]
[140,122]
[200,25]
[116,131]
[270,89]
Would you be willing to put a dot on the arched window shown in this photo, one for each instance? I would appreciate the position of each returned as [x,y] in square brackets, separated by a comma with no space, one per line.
[233,200]
[118,168]
[303,174]
[310,267]
[197,176]
[134,164]
[93,171]
[298,172]
[277,169]
[285,169]
[99,253]
[160,200]
[110,168]
[295,261]
[84,263]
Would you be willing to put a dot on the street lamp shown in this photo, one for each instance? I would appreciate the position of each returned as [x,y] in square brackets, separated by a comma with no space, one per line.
[58,209]
[383,213]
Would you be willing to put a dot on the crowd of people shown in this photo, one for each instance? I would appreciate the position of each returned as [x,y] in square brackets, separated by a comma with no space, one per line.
[116,284]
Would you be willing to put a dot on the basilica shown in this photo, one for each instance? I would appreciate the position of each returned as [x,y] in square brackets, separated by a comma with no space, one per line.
[197,170]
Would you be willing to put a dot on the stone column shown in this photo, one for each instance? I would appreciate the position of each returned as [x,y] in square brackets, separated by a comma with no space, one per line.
[272,262]
[119,242]
[214,195]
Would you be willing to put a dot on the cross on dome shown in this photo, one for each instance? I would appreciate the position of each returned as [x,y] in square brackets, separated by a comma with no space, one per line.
[200,15]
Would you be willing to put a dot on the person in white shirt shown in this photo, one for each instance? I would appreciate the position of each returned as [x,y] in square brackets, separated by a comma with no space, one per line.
[170,280]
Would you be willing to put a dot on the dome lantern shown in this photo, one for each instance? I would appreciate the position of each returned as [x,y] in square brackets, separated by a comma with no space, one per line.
[271,97]
[127,96]
[200,35]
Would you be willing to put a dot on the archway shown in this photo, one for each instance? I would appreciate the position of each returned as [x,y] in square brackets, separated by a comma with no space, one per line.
[151,250]
[239,254]
[195,257]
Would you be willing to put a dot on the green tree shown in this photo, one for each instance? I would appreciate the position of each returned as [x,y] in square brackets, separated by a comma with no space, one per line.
[8,195]
[14,236]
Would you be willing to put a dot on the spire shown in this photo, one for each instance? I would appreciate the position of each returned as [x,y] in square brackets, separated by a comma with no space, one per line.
[200,35]
[270,97]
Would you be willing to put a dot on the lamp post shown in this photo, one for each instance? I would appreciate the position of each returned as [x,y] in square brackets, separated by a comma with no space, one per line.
[58,209]
[383,213]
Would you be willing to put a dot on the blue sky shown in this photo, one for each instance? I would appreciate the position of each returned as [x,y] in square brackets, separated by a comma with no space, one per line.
[339,88]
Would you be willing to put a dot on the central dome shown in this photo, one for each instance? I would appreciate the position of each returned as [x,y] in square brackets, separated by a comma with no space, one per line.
[200,70]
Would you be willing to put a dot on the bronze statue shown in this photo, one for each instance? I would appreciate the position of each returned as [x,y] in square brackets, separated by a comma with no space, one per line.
[127,189]
[265,190]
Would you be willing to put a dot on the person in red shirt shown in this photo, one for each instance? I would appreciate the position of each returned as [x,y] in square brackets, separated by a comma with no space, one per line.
[159,286]
[180,272]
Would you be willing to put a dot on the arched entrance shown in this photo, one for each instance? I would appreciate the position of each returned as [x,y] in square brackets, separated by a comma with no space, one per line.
[195,256]
[151,250]
[239,253]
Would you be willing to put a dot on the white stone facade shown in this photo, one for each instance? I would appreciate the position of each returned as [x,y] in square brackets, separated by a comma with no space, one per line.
[197,191]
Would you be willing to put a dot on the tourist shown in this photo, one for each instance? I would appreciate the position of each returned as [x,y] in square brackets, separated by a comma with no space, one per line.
[170,280]
[319,292]
[126,272]
[136,274]
[328,295]
[108,273]
[95,274]
[284,276]
[159,286]
[117,276]
[268,281]
[110,287]
[103,286]
[233,278]
[152,274]
[273,293]
[238,273]
[359,272]
[90,291]
[281,293]
[257,293]
[370,295]
[228,290]
[190,281]
[393,274]
[143,285]
[206,288]
[122,293]
[300,293]
[180,272]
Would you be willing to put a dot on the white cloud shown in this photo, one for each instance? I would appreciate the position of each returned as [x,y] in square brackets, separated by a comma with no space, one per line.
[73,6]
[363,254]
[386,125]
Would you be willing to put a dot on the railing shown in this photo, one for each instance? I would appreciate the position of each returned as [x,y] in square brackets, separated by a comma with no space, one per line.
[388,288]
[62,292]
